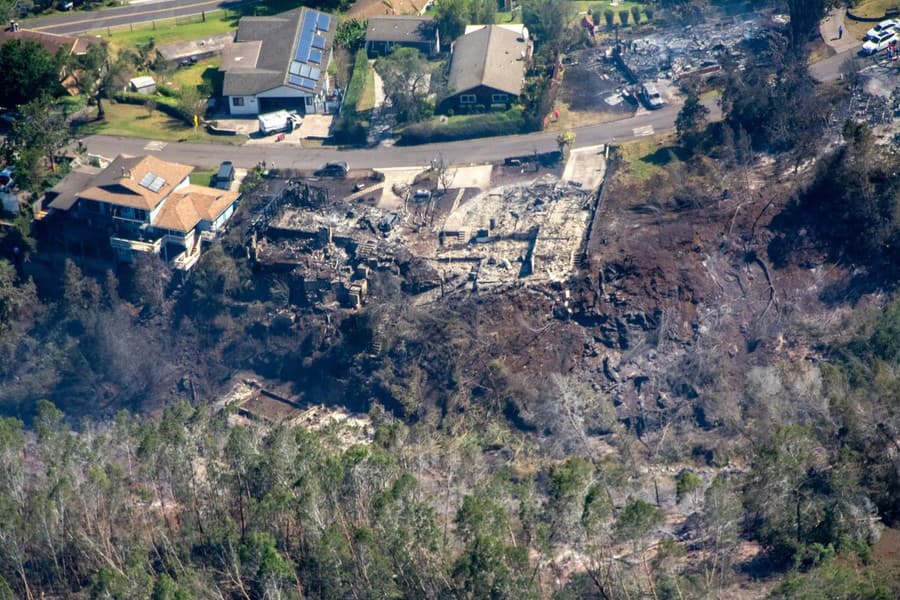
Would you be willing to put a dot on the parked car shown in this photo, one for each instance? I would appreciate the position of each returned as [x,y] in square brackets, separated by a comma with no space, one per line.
[225,175]
[333,169]
[879,42]
[651,96]
[886,25]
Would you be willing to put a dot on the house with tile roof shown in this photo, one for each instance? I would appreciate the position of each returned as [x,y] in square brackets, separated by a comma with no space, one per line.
[487,69]
[143,204]
[280,62]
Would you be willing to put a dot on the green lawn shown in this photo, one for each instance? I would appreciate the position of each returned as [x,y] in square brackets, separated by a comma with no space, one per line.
[134,121]
[645,157]
[367,99]
[873,8]
[165,31]
[204,75]
[203,178]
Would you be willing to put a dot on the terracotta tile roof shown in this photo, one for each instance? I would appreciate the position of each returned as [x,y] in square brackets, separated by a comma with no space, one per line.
[120,182]
[188,206]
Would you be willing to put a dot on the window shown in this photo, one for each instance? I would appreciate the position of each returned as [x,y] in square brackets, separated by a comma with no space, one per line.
[237,101]
[467,99]
[499,98]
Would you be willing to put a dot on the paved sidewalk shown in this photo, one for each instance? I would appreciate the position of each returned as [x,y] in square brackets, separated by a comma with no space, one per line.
[829,30]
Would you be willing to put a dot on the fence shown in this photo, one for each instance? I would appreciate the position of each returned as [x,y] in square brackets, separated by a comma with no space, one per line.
[165,23]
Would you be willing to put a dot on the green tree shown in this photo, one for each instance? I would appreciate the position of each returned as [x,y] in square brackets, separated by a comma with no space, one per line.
[29,72]
[547,21]
[451,19]
[687,485]
[17,298]
[691,121]
[351,34]
[805,17]
[638,519]
[483,12]
[404,73]
[41,129]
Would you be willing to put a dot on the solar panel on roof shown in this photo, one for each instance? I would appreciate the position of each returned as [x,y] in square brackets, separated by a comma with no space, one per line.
[157,184]
[295,67]
[318,42]
[147,179]
[323,22]
[315,73]
[294,79]
[304,71]
[308,83]
[315,56]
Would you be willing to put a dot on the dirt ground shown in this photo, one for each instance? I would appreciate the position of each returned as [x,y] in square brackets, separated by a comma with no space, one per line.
[591,84]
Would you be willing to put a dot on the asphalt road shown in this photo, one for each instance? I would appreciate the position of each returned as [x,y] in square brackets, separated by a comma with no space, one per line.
[81,21]
[463,152]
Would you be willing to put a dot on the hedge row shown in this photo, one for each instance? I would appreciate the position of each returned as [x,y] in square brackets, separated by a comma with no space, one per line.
[464,127]
[347,128]
[164,104]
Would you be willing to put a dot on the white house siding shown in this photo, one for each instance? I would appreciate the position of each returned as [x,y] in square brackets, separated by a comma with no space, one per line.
[250,106]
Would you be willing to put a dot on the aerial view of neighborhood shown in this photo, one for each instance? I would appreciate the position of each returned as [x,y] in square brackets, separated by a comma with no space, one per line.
[473,299]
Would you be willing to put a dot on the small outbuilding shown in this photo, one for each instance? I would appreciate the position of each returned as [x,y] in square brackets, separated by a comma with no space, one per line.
[142,85]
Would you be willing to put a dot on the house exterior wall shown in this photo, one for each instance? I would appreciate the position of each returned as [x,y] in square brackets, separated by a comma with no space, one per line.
[246,105]
[478,99]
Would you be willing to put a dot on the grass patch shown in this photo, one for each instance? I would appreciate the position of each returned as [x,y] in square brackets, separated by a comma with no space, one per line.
[873,8]
[131,120]
[203,178]
[461,127]
[367,99]
[164,31]
[201,75]
[644,158]
[352,125]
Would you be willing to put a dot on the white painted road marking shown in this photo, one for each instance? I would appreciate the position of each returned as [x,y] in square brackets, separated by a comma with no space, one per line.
[155,146]
[643,131]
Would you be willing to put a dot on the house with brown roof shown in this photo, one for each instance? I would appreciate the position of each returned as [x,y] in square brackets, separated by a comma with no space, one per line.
[143,204]
[487,69]
[384,33]
[51,42]
[280,62]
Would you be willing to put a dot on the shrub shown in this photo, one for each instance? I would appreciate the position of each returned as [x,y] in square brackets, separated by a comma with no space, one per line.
[357,83]
[348,127]
[636,14]
[649,12]
[623,17]
[608,15]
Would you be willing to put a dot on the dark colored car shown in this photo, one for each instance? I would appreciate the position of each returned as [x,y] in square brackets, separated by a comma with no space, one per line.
[333,169]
